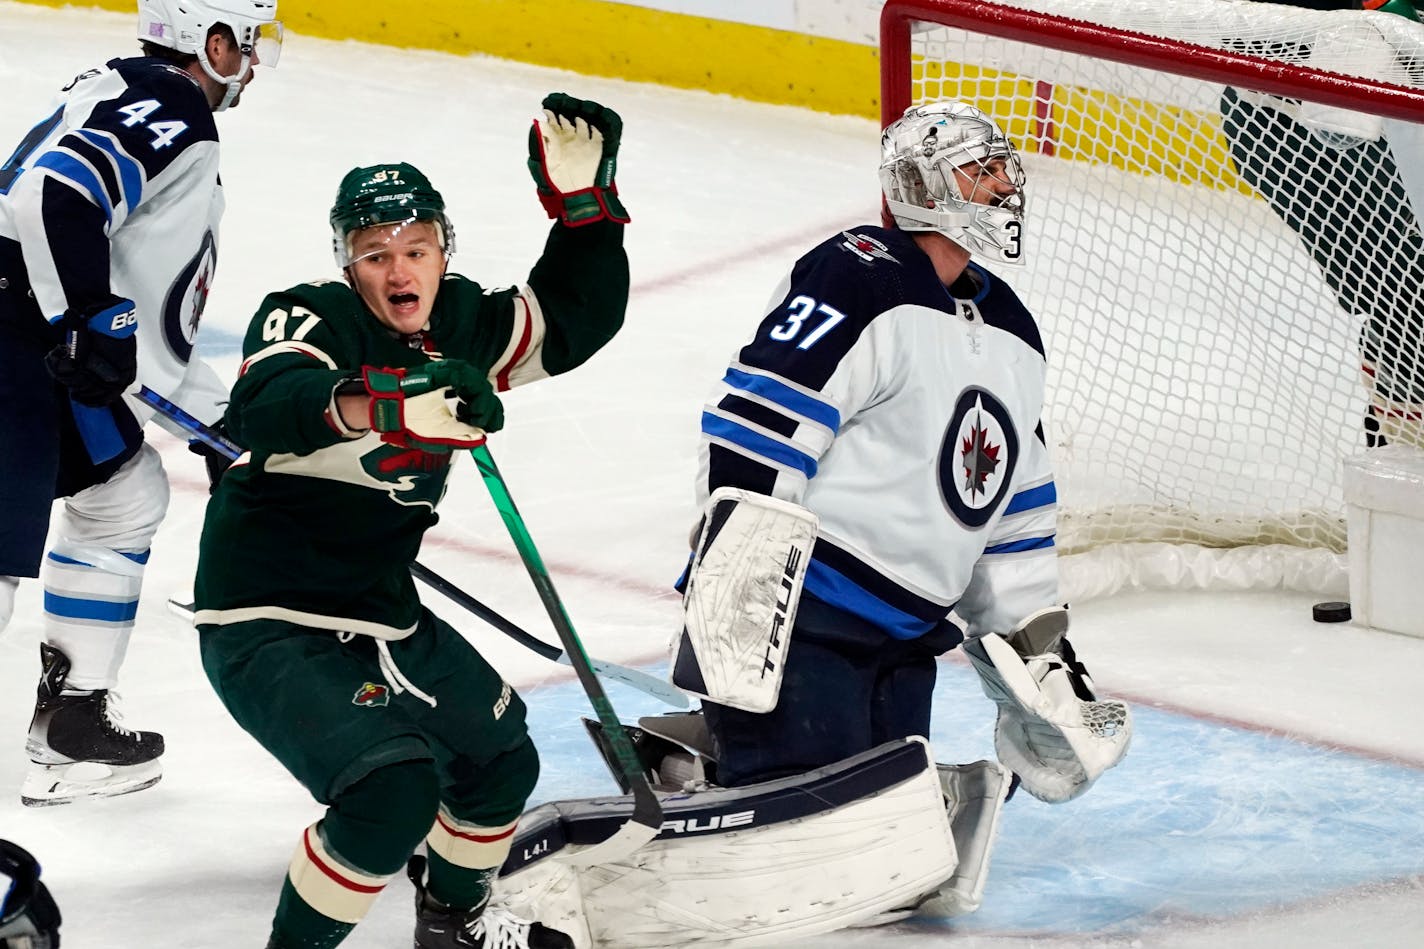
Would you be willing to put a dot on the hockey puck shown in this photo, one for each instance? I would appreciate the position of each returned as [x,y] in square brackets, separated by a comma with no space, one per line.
[1331,612]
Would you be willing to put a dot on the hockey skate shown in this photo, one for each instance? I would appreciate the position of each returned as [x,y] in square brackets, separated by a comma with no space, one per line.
[484,927]
[78,749]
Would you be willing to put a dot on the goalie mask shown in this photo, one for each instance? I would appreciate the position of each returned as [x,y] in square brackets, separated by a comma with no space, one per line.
[929,153]
[386,194]
[183,25]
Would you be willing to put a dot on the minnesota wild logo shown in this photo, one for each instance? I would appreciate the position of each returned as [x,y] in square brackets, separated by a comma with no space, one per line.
[371,695]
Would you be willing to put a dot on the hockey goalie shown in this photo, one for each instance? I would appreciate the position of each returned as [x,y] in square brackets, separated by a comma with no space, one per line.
[875,492]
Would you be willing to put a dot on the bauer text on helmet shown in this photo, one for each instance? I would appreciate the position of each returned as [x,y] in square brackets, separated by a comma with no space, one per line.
[947,167]
[184,25]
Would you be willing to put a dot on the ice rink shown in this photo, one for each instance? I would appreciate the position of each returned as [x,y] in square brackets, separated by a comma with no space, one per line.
[1274,794]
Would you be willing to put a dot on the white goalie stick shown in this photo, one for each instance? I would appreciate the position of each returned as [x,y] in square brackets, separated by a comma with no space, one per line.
[643,682]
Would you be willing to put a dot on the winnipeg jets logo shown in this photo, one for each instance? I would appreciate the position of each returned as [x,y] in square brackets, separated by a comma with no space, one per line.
[977,457]
[186,297]
[867,249]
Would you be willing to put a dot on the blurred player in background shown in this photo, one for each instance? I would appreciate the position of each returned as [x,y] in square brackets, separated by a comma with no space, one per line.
[354,400]
[109,212]
[1351,185]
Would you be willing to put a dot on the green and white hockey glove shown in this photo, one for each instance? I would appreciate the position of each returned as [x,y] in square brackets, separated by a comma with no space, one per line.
[410,407]
[573,155]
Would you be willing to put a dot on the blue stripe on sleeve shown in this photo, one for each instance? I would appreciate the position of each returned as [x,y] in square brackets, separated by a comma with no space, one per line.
[75,608]
[129,172]
[758,444]
[1041,496]
[1017,546]
[76,173]
[785,396]
[833,587]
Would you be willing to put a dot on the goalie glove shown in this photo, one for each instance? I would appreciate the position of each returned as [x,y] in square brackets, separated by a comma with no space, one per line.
[573,156]
[409,407]
[1052,731]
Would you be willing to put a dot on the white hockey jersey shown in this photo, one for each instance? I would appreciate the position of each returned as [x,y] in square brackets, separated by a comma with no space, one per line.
[906,416]
[117,191]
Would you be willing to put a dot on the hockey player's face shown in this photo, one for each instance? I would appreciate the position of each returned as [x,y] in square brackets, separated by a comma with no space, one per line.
[225,56]
[396,269]
[987,183]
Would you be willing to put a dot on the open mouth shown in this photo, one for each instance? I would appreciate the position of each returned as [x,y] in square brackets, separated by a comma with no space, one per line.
[404,301]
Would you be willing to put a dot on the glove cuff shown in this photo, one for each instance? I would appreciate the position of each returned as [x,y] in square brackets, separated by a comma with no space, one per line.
[387,397]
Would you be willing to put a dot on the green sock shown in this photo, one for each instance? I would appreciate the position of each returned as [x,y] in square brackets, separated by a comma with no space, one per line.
[458,887]
[298,926]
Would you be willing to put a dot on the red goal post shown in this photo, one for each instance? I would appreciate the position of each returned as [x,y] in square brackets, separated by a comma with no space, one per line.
[1204,278]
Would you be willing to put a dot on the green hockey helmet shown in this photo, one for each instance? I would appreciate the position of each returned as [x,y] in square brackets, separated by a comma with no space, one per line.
[385,194]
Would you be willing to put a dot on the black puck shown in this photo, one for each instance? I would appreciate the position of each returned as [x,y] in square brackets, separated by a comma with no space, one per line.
[1331,612]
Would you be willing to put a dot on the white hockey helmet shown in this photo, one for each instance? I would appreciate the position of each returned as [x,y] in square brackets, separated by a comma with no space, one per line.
[183,25]
[919,155]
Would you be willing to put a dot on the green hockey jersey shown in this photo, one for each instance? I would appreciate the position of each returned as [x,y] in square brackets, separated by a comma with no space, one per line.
[318,527]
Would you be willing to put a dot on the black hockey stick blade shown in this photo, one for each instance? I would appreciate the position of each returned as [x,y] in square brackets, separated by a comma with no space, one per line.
[633,678]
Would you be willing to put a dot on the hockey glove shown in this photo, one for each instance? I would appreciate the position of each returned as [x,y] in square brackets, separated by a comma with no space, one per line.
[409,407]
[98,360]
[573,155]
[216,460]
[1052,730]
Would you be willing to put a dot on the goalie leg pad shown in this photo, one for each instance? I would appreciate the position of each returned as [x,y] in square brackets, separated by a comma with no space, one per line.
[754,866]
[1054,739]
[742,590]
[974,796]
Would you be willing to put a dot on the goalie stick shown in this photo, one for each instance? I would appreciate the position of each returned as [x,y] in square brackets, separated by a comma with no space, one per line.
[647,817]
[633,678]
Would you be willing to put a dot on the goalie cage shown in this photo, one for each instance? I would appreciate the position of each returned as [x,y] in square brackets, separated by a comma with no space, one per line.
[1205,367]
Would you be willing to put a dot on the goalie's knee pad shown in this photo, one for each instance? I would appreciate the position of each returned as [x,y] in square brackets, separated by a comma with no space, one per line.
[758,865]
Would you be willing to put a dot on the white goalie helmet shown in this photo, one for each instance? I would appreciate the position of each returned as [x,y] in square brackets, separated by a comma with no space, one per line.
[183,25]
[923,152]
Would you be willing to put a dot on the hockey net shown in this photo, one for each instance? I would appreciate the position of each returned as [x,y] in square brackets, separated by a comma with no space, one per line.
[1219,238]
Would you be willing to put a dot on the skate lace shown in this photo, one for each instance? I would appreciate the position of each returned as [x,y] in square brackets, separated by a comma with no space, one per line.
[114,717]
[498,928]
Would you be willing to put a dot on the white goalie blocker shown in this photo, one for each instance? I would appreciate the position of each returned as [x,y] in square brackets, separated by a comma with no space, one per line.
[1052,731]
[740,603]
[866,840]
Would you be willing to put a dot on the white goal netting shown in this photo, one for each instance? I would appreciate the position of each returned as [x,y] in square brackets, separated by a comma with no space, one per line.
[1213,263]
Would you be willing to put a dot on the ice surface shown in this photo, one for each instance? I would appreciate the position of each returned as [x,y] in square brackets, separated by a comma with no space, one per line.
[1274,795]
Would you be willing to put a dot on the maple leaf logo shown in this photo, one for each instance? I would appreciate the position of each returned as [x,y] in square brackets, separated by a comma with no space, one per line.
[200,299]
[981,459]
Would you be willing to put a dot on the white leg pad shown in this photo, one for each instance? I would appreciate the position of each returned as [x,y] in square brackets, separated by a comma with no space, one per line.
[718,876]
[974,796]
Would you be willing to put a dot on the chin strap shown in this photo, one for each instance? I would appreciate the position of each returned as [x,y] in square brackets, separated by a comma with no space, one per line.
[233,82]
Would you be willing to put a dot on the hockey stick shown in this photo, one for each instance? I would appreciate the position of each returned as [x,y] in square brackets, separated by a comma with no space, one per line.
[633,678]
[647,816]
